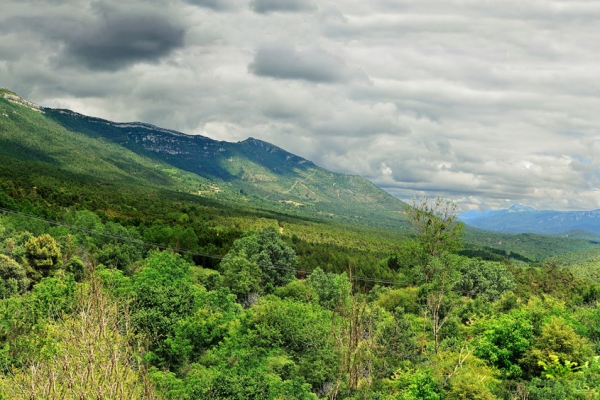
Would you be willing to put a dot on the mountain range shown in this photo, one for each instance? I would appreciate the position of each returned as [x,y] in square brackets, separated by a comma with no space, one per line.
[524,219]
[250,171]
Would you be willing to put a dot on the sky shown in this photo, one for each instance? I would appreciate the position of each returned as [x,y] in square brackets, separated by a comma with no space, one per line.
[487,103]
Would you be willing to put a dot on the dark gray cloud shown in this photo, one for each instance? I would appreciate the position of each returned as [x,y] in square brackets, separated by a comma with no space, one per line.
[288,63]
[290,6]
[105,35]
[124,40]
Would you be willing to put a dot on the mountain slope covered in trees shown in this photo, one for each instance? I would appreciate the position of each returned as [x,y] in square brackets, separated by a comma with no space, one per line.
[125,276]
[251,171]
[248,167]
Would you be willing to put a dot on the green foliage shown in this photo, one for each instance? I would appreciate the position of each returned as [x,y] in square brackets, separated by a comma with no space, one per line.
[415,384]
[504,340]
[13,279]
[333,290]
[264,252]
[6,201]
[84,355]
[206,328]
[120,256]
[550,279]
[484,279]
[397,343]
[523,247]
[464,375]
[52,297]
[558,350]
[257,386]
[299,291]
[405,298]
[43,255]
[276,259]
[301,330]
[115,283]
[208,278]
[163,295]
[24,319]
[241,276]
[76,267]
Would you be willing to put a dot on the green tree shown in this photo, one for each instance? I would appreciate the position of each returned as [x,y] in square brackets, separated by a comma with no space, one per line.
[276,260]
[558,351]
[90,354]
[205,329]
[438,235]
[415,384]
[438,231]
[43,255]
[163,296]
[13,278]
[504,340]
[76,267]
[332,289]
[241,276]
[297,290]
[486,279]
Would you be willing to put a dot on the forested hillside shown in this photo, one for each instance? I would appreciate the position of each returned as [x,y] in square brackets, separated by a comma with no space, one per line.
[125,277]
[270,174]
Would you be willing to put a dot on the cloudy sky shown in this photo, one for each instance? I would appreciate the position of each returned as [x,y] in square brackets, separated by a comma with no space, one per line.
[487,103]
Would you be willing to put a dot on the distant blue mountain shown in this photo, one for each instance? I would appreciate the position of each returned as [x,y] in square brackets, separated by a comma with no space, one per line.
[524,219]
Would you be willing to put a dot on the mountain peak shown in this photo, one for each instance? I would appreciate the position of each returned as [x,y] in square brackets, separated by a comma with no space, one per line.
[260,148]
[520,208]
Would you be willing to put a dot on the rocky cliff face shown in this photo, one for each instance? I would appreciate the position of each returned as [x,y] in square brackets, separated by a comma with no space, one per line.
[14,98]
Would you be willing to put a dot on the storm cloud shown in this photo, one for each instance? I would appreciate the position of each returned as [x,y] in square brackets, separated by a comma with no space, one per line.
[125,40]
[105,35]
[486,103]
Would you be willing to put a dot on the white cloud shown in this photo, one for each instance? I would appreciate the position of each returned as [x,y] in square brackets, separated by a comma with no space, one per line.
[478,101]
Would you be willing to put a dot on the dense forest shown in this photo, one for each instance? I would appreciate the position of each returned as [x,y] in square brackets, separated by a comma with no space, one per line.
[182,307]
[123,277]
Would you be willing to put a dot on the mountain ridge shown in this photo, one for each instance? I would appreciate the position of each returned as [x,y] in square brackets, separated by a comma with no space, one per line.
[251,170]
[525,219]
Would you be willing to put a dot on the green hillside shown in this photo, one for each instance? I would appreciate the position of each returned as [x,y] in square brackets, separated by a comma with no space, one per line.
[48,169]
[136,171]
[528,247]
[141,263]
[249,167]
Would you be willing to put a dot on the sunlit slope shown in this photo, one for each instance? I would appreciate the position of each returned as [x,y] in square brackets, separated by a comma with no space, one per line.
[28,135]
[251,173]
[256,170]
